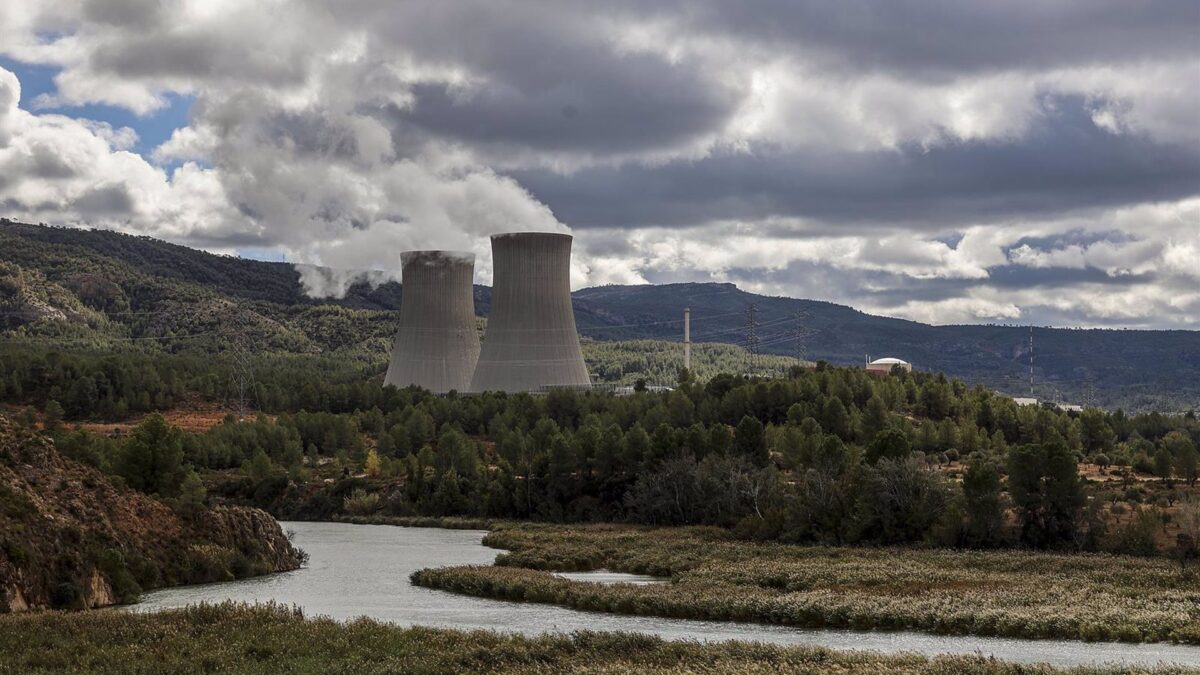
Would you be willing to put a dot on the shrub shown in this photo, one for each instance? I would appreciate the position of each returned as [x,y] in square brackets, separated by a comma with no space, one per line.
[66,595]
[111,564]
[362,503]
[1137,537]
[14,504]
[16,551]
[209,562]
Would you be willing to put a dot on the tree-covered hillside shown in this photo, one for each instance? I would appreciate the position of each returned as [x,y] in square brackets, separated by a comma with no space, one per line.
[104,290]
[1133,369]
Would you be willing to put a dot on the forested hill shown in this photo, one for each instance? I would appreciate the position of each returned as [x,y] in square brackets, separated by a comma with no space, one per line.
[1128,368]
[109,284]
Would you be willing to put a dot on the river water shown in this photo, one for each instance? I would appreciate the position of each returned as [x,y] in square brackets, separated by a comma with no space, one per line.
[362,570]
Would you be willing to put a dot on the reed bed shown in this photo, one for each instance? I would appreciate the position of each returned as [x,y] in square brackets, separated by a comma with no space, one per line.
[442,522]
[1019,594]
[274,639]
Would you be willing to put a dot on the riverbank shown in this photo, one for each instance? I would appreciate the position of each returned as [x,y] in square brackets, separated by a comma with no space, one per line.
[439,522]
[72,537]
[272,639]
[1016,594]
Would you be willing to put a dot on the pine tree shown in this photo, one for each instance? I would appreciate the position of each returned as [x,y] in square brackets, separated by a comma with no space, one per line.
[984,510]
[1043,480]
[749,441]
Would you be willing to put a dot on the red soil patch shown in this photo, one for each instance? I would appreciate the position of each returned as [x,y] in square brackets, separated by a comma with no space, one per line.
[194,418]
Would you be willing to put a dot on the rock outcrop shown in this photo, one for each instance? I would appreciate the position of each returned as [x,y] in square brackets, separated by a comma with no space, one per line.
[70,538]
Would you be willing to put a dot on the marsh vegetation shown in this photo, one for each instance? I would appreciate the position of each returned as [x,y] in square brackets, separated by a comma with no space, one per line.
[272,639]
[1023,594]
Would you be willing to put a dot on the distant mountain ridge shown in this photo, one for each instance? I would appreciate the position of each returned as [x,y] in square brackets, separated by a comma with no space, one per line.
[1113,368]
[138,286]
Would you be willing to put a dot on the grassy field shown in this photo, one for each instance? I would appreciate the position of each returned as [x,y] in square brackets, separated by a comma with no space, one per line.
[272,639]
[1002,593]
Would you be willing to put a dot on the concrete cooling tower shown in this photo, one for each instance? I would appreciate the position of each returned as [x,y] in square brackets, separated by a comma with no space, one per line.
[437,344]
[531,341]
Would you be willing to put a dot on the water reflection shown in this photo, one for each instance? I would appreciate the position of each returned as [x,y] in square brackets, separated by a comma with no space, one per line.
[363,570]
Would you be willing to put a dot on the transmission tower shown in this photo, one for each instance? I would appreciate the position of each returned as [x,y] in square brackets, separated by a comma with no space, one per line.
[801,336]
[241,375]
[1031,362]
[752,335]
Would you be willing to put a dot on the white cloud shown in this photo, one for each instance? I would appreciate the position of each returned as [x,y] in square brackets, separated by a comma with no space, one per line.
[62,170]
[954,311]
[306,137]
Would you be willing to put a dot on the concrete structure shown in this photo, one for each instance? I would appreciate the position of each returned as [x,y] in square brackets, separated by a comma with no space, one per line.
[885,365]
[437,344]
[531,343]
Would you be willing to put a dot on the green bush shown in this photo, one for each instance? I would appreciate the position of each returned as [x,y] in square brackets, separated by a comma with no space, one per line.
[362,503]
[125,588]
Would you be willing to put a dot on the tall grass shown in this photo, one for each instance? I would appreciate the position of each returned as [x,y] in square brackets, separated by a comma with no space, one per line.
[274,639]
[443,522]
[1001,593]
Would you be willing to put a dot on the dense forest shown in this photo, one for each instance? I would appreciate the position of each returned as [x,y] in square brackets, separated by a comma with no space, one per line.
[824,454]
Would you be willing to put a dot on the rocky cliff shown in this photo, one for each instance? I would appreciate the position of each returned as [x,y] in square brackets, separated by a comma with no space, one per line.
[70,538]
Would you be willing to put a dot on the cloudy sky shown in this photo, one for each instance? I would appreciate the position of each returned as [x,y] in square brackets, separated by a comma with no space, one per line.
[940,160]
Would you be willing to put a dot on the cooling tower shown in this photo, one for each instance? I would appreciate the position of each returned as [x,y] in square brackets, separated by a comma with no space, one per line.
[531,341]
[437,344]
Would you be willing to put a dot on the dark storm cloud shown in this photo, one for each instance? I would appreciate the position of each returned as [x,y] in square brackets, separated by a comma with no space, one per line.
[887,288]
[1072,238]
[949,36]
[141,14]
[637,105]
[193,55]
[310,133]
[107,200]
[1018,276]
[1066,163]
[882,289]
[548,78]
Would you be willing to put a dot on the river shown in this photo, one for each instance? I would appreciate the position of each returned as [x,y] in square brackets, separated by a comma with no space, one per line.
[362,570]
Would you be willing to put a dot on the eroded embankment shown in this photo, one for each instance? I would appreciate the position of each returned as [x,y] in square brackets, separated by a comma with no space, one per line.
[70,538]
[1015,594]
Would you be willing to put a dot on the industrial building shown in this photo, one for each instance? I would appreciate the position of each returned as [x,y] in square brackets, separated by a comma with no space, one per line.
[531,343]
[437,344]
[884,366]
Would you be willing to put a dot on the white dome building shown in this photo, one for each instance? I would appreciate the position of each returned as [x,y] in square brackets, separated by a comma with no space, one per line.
[884,366]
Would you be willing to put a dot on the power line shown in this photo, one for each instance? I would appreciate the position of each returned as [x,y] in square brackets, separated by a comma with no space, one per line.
[103,338]
[667,322]
[752,335]
[742,328]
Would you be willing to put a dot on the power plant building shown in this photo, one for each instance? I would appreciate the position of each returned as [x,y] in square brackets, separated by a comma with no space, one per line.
[437,344]
[884,366]
[531,343]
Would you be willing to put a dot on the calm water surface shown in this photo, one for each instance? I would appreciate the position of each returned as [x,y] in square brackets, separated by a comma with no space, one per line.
[362,570]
